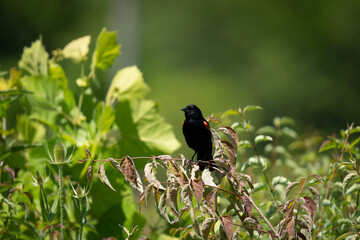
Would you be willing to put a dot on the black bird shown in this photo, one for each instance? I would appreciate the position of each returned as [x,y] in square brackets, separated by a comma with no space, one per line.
[197,135]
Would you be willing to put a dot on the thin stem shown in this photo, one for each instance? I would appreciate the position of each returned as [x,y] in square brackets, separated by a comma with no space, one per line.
[61,207]
[262,215]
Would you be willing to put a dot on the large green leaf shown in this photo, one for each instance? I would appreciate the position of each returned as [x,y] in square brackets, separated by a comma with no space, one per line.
[128,84]
[106,51]
[46,92]
[143,131]
[34,59]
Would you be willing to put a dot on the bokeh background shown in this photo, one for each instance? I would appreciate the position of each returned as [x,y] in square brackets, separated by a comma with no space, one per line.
[294,58]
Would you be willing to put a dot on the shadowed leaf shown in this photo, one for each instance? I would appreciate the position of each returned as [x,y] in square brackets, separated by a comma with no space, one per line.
[228,226]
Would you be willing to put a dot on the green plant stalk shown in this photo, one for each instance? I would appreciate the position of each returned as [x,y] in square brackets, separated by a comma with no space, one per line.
[61,206]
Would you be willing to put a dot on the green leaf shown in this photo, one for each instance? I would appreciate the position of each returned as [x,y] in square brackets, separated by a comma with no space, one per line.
[262,138]
[229,113]
[249,108]
[47,93]
[254,161]
[128,84]
[279,180]
[106,50]
[143,131]
[29,131]
[77,49]
[54,207]
[34,59]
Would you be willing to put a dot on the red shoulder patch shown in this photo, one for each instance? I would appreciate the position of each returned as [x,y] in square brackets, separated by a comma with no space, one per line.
[206,124]
[183,124]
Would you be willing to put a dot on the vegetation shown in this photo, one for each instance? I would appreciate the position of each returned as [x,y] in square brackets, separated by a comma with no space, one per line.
[84,154]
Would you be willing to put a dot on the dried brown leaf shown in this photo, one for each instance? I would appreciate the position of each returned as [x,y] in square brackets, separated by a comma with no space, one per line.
[198,189]
[88,153]
[128,169]
[171,199]
[103,177]
[231,150]
[151,177]
[310,206]
[89,173]
[186,195]
[290,227]
[231,134]
[247,205]
[145,195]
[228,226]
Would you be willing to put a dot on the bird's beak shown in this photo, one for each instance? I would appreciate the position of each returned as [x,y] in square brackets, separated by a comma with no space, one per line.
[183,109]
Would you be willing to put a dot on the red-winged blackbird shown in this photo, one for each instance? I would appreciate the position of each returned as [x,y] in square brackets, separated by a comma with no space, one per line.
[197,135]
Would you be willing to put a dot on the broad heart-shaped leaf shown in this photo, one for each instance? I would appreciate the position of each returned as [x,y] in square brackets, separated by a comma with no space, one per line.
[106,50]
[34,59]
[143,131]
[46,92]
[128,84]
[77,49]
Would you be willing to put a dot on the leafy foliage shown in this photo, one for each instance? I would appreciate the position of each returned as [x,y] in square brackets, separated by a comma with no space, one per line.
[268,181]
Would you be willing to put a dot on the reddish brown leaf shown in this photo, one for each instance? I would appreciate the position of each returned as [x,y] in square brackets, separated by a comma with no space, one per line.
[198,189]
[29,196]
[228,226]
[127,167]
[206,227]
[247,205]
[231,134]
[171,200]
[271,234]
[46,228]
[290,227]
[311,207]
[231,152]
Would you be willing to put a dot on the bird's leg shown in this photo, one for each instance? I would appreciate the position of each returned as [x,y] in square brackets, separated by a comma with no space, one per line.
[191,160]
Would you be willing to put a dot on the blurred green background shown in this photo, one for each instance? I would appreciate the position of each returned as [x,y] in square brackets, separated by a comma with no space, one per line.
[294,58]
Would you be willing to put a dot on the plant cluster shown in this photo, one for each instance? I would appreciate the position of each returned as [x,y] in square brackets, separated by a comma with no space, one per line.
[268,182]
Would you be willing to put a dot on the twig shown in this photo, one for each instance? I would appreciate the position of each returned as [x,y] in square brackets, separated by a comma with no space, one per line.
[262,215]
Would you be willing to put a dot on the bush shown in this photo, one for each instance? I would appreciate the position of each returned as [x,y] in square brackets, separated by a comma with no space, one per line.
[269,181]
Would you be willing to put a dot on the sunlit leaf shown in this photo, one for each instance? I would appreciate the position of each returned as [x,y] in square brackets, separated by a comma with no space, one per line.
[106,50]
[279,180]
[77,49]
[229,112]
[34,59]
[143,131]
[207,178]
[128,84]
[262,138]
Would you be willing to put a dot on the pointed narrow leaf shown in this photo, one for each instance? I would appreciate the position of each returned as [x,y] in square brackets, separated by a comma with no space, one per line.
[289,187]
[128,169]
[290,227]
[207,178]
[198,189]
[206,227]
[186,195]
[310,206]
[228,226]
[103,177]
[54,207]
